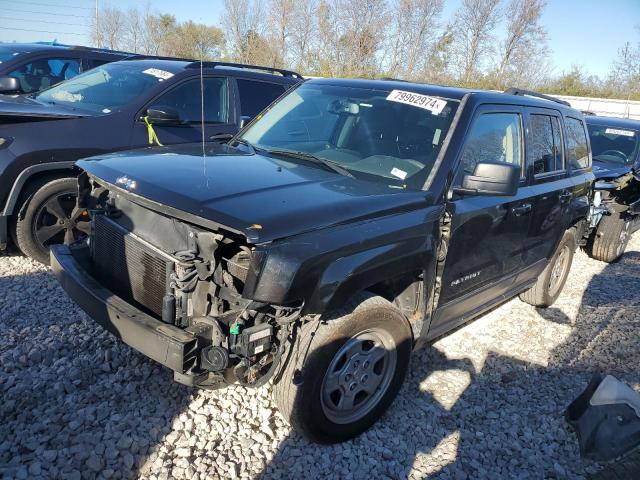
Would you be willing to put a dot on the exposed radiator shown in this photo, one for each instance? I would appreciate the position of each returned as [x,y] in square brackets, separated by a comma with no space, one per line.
[129,267]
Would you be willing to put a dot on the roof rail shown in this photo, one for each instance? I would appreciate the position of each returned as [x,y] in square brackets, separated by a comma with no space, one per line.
[96,49]
[141,56]
[529,93]
[391,79]
[284,73]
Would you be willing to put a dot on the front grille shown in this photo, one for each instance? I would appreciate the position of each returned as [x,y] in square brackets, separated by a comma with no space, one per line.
[128,267]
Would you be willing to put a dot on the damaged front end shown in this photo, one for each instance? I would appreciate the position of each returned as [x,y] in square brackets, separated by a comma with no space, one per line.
[620,194]
[174,290]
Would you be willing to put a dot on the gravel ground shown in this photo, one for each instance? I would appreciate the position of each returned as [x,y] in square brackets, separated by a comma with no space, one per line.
[484,402]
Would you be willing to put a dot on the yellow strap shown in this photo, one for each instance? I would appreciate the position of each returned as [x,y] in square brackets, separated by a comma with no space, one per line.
[153,138]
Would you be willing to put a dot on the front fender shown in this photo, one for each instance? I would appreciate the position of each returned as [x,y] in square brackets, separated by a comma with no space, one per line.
[325,268]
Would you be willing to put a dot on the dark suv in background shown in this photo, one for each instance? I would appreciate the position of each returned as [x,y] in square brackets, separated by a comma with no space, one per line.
[116,106]
[616,165]
[31,67]
[351,222]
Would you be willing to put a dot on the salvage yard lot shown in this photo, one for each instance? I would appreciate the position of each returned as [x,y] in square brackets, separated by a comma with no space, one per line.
[484,402]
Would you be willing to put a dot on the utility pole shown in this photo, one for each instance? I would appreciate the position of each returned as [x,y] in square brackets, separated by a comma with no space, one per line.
[97,27]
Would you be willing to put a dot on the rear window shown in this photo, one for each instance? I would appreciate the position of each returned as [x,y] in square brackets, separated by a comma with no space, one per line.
[577,145]
[256,96]
[545,144]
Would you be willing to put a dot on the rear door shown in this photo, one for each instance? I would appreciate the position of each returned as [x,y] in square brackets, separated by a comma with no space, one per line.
[487,242]
[188,98]
[546,162]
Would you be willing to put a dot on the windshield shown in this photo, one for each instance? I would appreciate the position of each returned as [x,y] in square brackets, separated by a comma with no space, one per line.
[390,137]
[614,145]
[105,88]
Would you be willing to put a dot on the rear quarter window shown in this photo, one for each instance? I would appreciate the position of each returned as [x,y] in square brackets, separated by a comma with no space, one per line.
[577,144]
[255,96]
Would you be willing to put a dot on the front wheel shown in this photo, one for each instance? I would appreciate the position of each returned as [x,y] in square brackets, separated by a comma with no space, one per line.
[345,370]
[552,279]
[611,238]
[51,217]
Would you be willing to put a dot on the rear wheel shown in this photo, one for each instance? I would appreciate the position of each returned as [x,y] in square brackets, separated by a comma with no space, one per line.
[344,371]
[51,217]
[552,279]
[611,238]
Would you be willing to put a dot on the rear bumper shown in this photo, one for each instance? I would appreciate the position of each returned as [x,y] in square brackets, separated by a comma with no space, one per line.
[166,344]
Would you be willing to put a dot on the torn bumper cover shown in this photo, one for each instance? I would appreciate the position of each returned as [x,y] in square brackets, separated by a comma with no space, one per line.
[606,418]
[166,344]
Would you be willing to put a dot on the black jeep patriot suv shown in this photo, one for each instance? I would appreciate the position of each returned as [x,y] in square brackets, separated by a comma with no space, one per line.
[351,222]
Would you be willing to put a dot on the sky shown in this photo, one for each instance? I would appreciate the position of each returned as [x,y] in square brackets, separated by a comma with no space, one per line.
[586,33]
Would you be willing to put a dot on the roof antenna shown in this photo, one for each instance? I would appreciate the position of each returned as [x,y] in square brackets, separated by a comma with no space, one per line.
[202,101]
[204,155]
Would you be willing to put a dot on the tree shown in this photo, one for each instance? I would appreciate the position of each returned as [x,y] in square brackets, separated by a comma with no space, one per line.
[360,24]
[280,25]
[134,27]
[624,78]
[196,41]
[244,22]
[412,36]
[525,41]
[474,23]
[158,29]
[303,32]
[109,31]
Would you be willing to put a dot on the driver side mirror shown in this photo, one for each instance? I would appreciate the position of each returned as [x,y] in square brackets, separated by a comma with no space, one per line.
[491,179]
[159,115]
[10,85]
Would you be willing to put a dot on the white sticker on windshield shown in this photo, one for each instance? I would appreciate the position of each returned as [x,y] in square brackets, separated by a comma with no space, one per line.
[434,105]
[401,174]
[617,131]
[156,72]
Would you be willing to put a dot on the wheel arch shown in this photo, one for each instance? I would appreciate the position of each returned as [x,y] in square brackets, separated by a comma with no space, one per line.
[35,175]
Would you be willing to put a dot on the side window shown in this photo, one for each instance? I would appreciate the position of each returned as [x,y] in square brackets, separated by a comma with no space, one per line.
[545,144]
[96,62]
[578,151]
[494,137]
[187,101]
[256,96]
[46,72]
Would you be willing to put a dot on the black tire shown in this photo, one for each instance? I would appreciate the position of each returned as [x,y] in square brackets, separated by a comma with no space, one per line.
[552,279]
[36,217]
[611,238]
[298,392]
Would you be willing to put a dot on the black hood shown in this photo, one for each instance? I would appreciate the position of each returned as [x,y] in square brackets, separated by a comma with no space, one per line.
[609,170]
[29,108]
[262,197]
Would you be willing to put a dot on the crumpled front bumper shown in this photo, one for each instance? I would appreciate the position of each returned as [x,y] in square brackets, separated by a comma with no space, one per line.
[166,344]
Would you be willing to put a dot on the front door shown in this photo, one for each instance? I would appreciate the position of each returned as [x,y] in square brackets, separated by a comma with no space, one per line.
[187,98]
[487,242]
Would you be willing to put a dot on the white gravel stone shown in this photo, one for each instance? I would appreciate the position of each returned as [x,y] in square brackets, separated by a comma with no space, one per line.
[484,402]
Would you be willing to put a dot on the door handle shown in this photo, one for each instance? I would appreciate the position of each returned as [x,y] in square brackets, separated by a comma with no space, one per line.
[522,209]
[565,197]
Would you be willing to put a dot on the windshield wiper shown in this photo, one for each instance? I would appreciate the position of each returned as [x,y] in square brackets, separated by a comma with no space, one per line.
[244,142]
[335,167]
